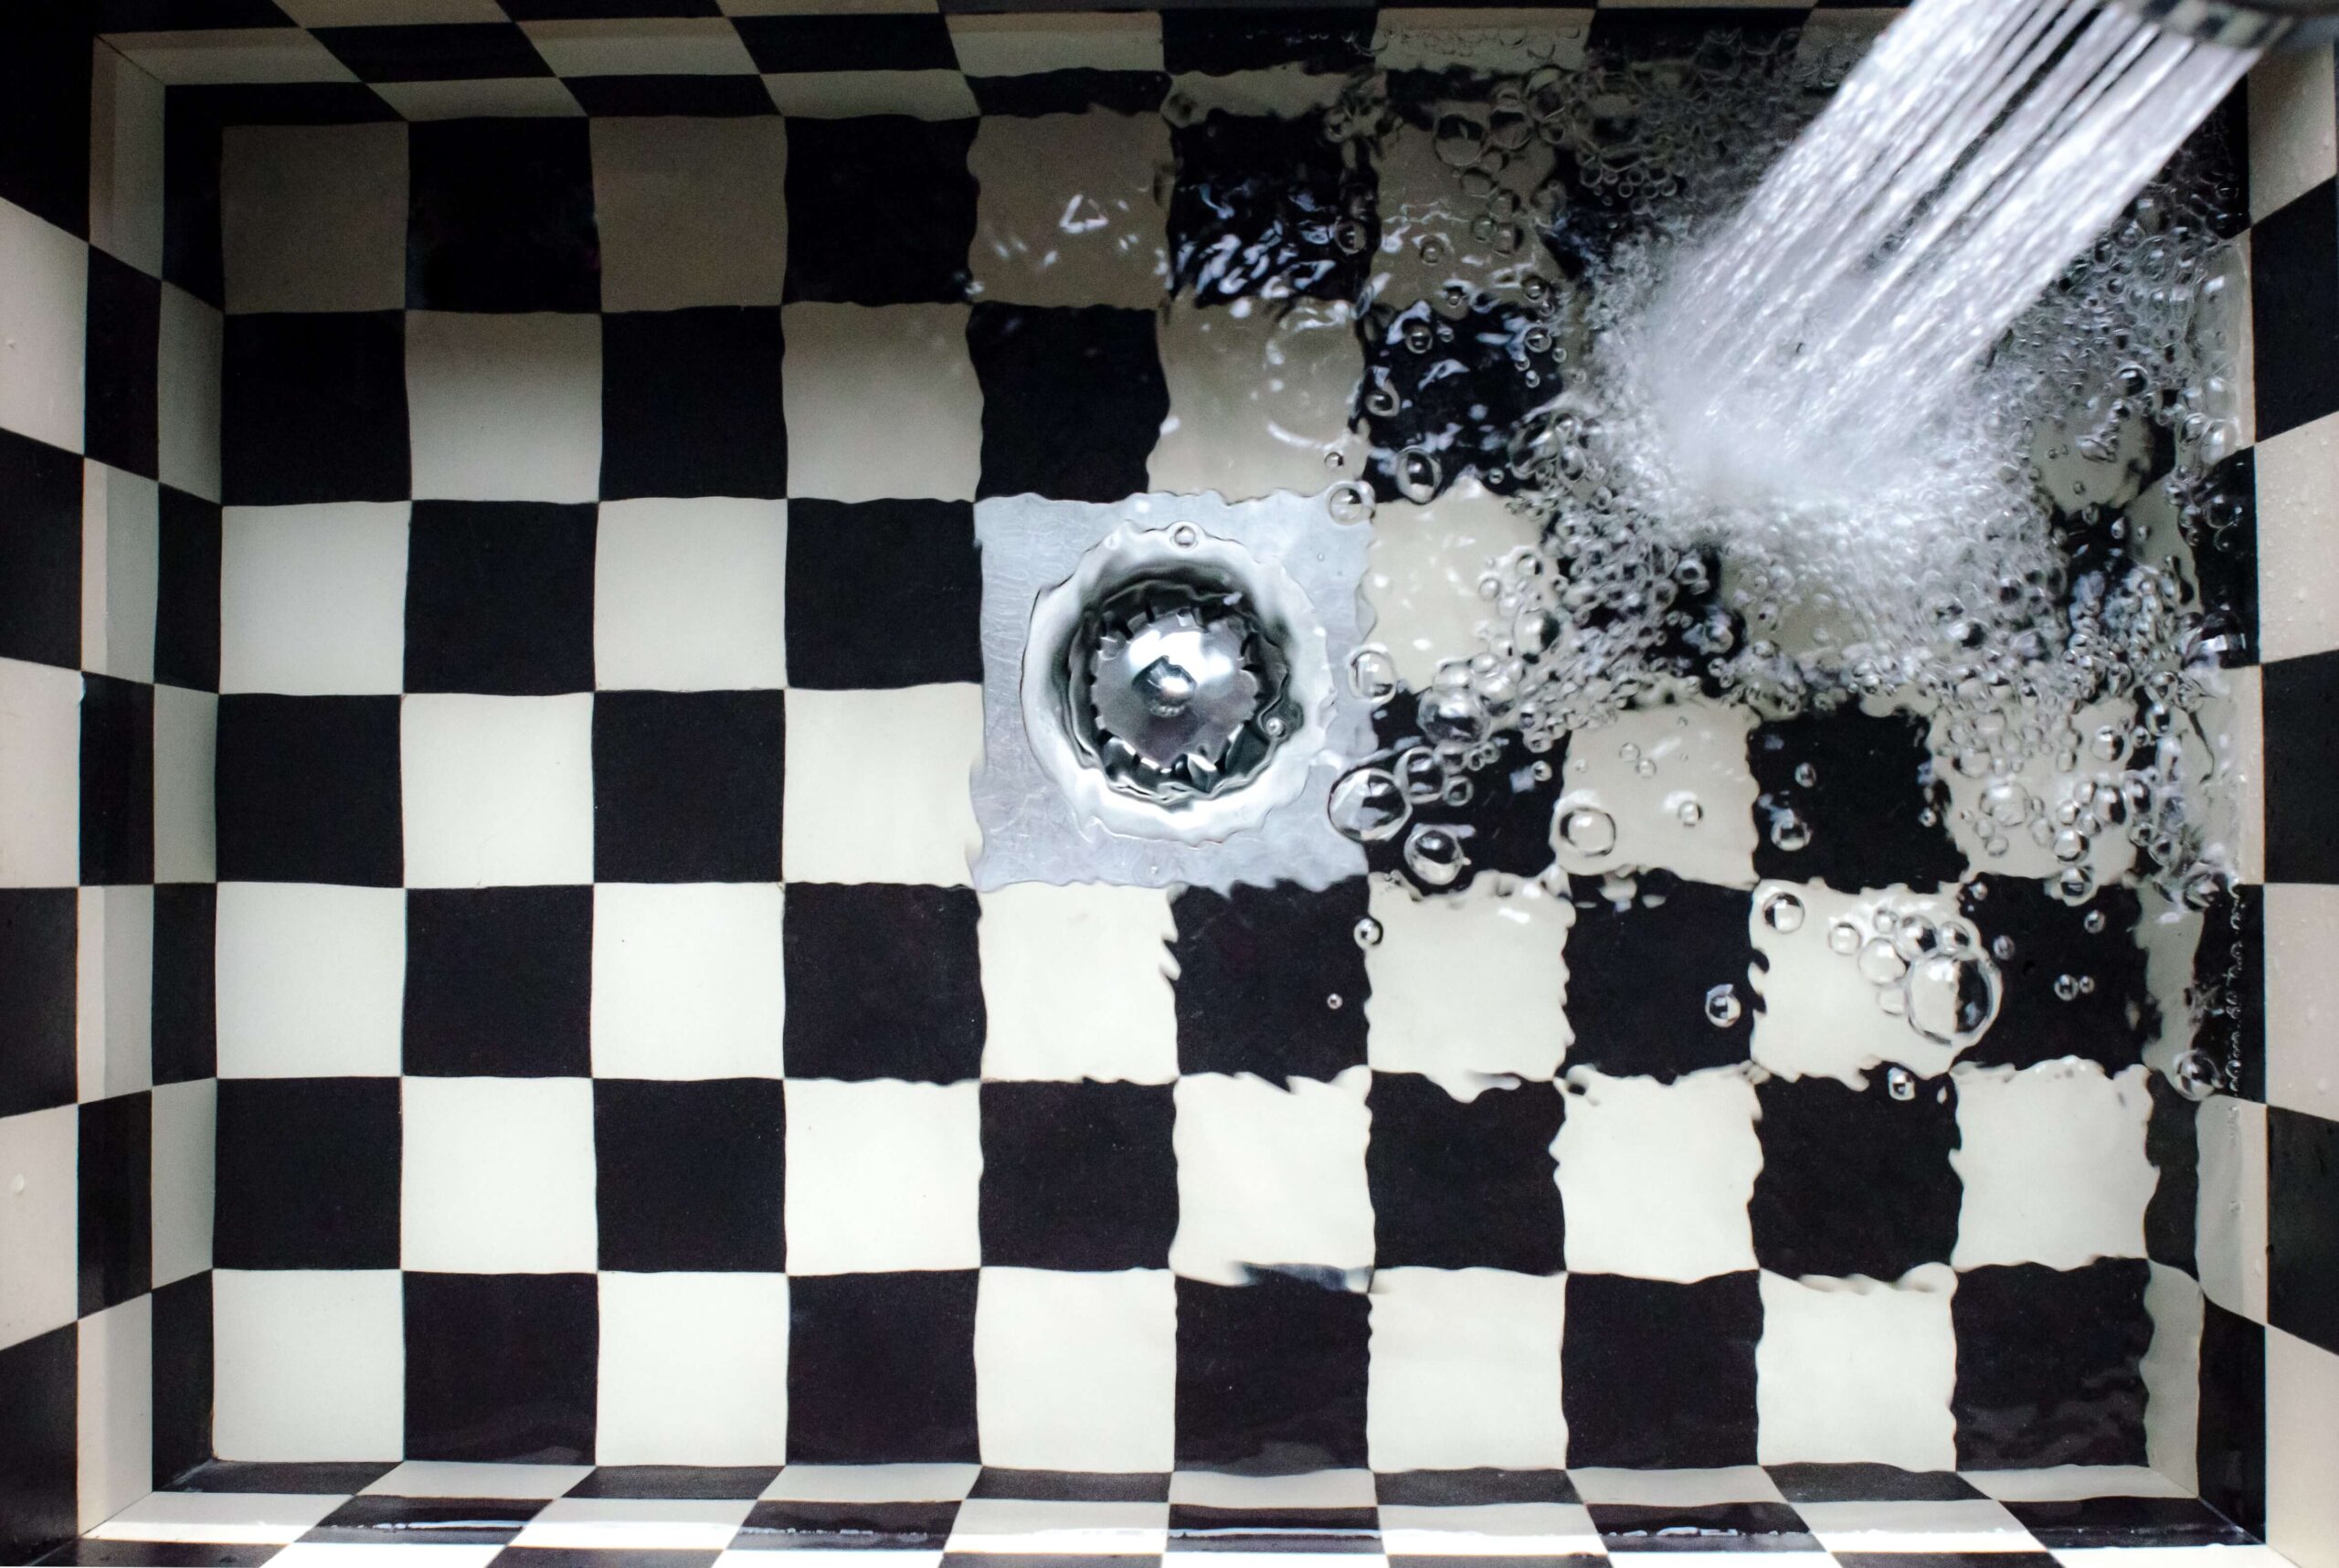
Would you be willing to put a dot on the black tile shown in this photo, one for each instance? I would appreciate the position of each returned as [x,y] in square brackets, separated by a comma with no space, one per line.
[187,591]
[1071,1485]
[881,1367]
[1669,33]
[1873,813]
[1460,397]
[1314,1531]
[1464,1183]
[174,16]
[182,1384]
[185,998]
[45,116]
[2228,994]
[1655,1376]
[726,1483]
[2097,943]
[1570,1559]
[619,10]
[883,593]
[116,1181]
[705,97]
[40,1390]
[794,44]
[1220,41]
[1458,1488]
[1270,1375]
[2302,720]
[312,407]
[194,120]
[296,1477]
[1074,92]
[2294,311]
[599,1557]
[1710,1527]
[2219,520]
[847,1526]
[499,982]
[308,1173]
[2231,1431]
[499,598]
[2172,1148]
[1868,1483]
[883,981]
[501,216]
[880,210]
[690,1174]
[1624,1026]
[161,1554]
[686,785]
[2302,1225]
[39,944]
[117,781]
[1073,399]
[446,51]
[120,409]
[434,1521]
[1262,206]
[40,552]
[501,1367]
[1855,1181]
[2078,1524]
[1078,1176]
[308,791]
[1946,1559]
[2048,1365]
[691,404]
[1255,969]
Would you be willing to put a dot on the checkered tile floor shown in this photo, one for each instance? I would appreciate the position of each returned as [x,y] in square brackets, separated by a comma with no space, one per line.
[914,1515]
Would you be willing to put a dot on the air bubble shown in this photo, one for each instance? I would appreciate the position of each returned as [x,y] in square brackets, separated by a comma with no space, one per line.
[1367,805]
[1722,1008]
[1433,854]
[1782,912]
[1367,932]
[1843,938]
[1900,1082]
[1588,831]
[1372,674]
[1417,475]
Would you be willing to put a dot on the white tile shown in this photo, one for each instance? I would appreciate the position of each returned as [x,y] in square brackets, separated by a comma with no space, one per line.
[1961,1524]
[498,1176]
[125,162]
[2229,1224]
[1469,986]
[41,811]
[312,979]
[694,1370]
[911,361]
[2298,508]
[2184,1557]
[1258,394]
[1423,580]
[186,749]
[686,981]
[871,1483]
[313,217]
[44,304]
[313,597]
[2302,998]
[120,557]
[883,1175]
[188,383]
[688,594]
[457,1478]
[114,1421]
[2171,1369]
[187,1125]
[1239,1137]
[2293,144]
[498,791]
[2239,748]
[39,1222]
[2052,1158]
[1105,244]
[691,211]
[371,1554]
[641,45]
[1013,1526]
[1693,815]
[310,1364]
[1490,1529]
[2064,1483]
[1022,44]
[1498,38]
[499,98]
[1428,237]
[213,57]
[851,94]
[1074,1372]
[1670,1488]
[222,1518]
[1465,1371]
[1311,1488]
[635,1524]
[829,1557]
[862,807]
[1819,1016]
[2302,1450]
[115,1013]
[1655,1178]
[1076,984]
[505,407]
[1857,1371]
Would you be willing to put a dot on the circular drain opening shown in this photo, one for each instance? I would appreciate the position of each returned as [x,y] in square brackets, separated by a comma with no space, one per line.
[1176,686]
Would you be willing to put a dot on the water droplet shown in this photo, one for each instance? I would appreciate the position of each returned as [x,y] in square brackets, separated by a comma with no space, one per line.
[1367,805]
[1782,912]
[1333,1001]
[1418,475]
[2002,949]
[2194,1076]
[1351,502]
[1451,718]
[1372,674]
[2093,924]
[1880,963]
[1953,997]
[2067,987]
[1686,810]
[1433,854]
[1588,831]
[1367,932]
[1843,938]
[1805,774]
[1789,832]
[1900,1082]
[1722,1007]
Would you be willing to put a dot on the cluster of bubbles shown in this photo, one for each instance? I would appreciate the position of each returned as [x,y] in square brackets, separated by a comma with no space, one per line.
[1933,972]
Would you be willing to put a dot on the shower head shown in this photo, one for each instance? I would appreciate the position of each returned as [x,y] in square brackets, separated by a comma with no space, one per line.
[2246,24]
